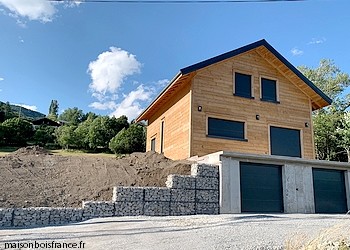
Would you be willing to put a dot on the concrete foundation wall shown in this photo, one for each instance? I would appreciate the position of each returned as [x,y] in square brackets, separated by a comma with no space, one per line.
[297,181]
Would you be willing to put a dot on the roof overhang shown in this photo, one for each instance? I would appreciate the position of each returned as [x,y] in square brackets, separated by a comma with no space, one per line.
[265,50]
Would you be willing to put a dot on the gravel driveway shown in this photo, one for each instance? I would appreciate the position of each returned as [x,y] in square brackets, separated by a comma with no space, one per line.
[239,231]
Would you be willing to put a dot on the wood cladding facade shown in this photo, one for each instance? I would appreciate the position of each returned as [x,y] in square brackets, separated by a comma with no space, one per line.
[212,88]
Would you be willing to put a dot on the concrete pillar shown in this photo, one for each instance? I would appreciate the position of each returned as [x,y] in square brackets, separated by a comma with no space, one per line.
[347,187]
[298,191]
[230,186]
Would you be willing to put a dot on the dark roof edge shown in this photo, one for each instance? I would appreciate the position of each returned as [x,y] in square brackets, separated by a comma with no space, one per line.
[248,47]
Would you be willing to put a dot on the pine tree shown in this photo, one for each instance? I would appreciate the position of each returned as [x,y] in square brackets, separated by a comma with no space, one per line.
[53,110]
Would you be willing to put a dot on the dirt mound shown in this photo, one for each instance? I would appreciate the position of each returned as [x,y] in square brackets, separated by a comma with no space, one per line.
[30,150]
[33,177]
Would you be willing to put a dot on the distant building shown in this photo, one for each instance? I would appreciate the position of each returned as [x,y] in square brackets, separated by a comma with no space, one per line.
[45,121]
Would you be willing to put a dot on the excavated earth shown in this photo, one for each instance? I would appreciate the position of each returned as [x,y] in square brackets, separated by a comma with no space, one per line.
[32,177]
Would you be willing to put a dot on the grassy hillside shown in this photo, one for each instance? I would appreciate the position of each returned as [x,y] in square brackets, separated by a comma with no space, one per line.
[24,112]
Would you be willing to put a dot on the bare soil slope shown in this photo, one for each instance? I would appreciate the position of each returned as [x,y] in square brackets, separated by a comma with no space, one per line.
[33,177]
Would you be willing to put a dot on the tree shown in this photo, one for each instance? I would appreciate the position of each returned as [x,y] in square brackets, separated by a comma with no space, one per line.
[330,131]
[328,77]
[17,131]
[73,116]
[129,140]
[53,110]
[82,133]
[43,135]
[103,129]
[65,136]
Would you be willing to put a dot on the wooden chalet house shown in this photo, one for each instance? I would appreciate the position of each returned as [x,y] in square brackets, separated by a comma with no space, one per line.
[248,100]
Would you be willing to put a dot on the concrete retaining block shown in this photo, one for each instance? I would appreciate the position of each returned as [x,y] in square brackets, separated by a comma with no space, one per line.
[157,208]
[181,181]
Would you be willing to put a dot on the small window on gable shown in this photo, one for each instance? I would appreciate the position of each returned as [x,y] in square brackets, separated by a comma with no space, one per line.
[268,90]
[153,144]
[225,129]
[243,85]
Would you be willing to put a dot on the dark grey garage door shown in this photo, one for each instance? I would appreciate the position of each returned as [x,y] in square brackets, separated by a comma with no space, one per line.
[285,141]
[261,188]
[329,191]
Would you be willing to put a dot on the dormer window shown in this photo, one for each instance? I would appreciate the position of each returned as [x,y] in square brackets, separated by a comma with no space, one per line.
[243,85]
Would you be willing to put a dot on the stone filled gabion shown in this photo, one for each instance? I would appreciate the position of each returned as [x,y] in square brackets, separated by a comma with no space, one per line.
[180,195]
[207,196]
[128,194]
[207,183]
[207,208]
[182,208]
[6,215]
[184,195]
[129,208]
[94,209]
[157,208]
[181,181]
[205,170]
[157,194]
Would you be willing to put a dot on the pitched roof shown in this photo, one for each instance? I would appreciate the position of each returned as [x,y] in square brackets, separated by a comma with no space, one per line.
[264,49]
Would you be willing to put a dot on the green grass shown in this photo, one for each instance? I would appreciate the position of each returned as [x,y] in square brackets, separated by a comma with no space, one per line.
[6,150]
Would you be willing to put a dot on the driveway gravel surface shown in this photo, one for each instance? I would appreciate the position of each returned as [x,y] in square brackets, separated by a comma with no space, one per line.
[239,231]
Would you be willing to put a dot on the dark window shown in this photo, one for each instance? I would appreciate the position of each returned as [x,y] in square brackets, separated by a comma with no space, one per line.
[268,90]
[243,85]
[153,144]
[225,129]
[162,137]
[285,142]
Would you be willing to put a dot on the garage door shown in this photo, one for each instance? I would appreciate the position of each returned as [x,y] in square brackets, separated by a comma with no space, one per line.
[329,191]
[285,141]
[261,188]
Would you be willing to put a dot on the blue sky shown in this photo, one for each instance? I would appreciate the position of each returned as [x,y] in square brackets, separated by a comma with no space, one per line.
[114,58]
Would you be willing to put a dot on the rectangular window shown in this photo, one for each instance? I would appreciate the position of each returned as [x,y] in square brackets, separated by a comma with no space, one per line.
[225,129]
[285,141]
[162,137]
[268,90]
[153,144]
[243,85]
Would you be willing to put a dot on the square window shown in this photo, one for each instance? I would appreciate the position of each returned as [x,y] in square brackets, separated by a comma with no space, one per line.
[243,85]
[225,129]
[268,90]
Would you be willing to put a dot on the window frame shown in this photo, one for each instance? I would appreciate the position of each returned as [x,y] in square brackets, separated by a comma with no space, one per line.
[251,84]
[226,137]
[277,101]
[153,139]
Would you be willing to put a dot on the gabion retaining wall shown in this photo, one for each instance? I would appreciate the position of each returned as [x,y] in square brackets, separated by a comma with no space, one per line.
[183,195]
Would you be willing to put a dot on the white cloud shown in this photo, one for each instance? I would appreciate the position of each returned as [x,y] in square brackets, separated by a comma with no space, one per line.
[162,83]
[317,40]
[31,107]
[39,10]
[131,106]
[109,105]
[297,52]
[1,79]
[110,70]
